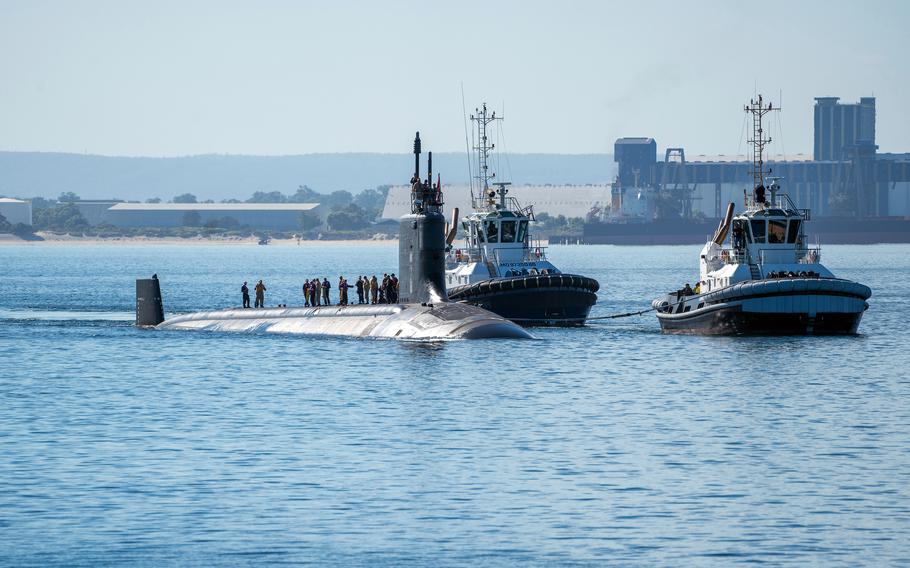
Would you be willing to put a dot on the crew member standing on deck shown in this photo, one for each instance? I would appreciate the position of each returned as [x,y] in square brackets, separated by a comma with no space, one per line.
[306,293]
[315,292]
[326,300]
[260,295]
[246,294]
[374,288]
[393,289]
[359,286]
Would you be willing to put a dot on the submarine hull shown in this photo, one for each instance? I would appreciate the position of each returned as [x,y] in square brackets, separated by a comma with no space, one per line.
[397,321]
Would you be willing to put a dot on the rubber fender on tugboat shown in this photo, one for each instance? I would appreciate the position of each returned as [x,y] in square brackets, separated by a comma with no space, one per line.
[788,285]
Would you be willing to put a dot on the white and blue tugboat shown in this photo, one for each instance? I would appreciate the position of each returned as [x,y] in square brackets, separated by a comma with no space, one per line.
[500,267]
[768,280]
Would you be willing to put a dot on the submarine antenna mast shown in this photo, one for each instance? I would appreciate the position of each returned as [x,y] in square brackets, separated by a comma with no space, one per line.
[486,197]
[758,110]
[417,154]
[425,197]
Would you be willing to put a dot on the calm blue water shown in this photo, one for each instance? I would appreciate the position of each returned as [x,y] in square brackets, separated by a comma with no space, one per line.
[612,444]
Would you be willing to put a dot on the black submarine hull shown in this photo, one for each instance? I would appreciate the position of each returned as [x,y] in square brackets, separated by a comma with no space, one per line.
[558,300]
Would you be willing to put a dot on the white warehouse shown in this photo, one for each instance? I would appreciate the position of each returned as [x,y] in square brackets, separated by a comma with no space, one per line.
[16,210]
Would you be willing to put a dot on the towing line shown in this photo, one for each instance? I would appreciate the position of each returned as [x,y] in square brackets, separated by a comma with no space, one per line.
[614,316]
[623,315]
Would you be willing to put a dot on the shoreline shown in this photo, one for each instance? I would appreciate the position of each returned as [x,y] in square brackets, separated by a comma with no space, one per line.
[65,240]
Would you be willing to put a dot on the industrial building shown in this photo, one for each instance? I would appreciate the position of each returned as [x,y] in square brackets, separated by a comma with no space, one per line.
[277,216]
[16,210]
[554,200]
[846,176]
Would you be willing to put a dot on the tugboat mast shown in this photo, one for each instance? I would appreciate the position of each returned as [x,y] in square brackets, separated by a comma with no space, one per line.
[758,110]
[483,147]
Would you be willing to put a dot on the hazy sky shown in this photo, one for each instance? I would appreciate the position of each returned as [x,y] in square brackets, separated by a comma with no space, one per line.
[162,78]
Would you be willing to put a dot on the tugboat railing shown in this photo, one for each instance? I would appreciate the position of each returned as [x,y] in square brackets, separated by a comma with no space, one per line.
[803,255]
[533,252]
[731,256]
[807,255]
[529,254]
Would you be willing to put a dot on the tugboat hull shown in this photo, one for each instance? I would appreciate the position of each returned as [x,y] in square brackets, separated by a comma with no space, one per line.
[558,300]
[800,306]
[732,320]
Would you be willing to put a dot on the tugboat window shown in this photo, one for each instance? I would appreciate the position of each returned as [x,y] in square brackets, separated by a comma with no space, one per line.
[793,234]
[522,231]
[508,231]
[777,232]
[492,231]
[758,230]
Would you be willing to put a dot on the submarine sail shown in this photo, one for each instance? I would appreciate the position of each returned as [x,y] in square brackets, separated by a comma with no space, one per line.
[424,312]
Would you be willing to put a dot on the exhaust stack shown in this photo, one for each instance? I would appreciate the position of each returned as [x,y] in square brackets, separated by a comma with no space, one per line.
[721,233]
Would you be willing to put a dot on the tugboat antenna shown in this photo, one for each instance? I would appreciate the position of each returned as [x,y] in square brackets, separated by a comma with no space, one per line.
[483,148]
[758,110]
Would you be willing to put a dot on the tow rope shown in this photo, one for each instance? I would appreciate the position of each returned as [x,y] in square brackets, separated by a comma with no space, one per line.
[623,315]
[614,316]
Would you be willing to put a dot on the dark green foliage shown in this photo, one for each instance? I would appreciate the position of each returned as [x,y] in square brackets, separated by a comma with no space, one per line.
[68,196]
[337,199]
[305,195]
[547,225]
[185,198]
[267,197]
[5,225]
[153,200]
[310,220]
[347,218]
[372,200]
[39,203]
[63,217]
[24,231]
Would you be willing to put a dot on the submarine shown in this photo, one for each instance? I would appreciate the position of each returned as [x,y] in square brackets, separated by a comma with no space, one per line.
[424,311]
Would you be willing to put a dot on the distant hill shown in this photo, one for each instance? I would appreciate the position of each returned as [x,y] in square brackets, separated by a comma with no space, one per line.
[28,174]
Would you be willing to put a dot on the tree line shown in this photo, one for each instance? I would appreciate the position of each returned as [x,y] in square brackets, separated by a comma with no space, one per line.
[345,211]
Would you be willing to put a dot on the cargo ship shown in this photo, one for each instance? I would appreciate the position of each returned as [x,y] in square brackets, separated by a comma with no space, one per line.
[858,194]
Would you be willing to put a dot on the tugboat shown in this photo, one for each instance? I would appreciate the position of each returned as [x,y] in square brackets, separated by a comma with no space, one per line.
[500,267]
[769,281]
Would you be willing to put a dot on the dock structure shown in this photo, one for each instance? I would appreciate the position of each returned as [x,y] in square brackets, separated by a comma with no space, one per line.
[846,176]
